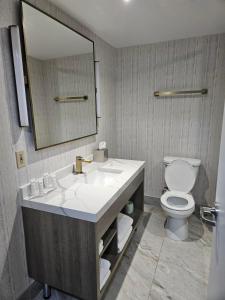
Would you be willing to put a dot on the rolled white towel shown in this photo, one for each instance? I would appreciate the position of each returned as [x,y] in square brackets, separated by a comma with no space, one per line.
[122,243]
[124,223]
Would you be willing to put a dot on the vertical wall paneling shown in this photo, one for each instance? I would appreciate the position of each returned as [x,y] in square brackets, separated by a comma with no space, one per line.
[149,128]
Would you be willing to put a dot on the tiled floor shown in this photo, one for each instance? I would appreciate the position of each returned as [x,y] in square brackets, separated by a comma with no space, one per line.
[157,268]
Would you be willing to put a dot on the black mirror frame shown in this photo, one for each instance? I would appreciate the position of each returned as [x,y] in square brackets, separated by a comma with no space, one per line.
[24,57]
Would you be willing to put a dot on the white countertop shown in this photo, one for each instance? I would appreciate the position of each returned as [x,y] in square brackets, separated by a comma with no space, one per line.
[77,199]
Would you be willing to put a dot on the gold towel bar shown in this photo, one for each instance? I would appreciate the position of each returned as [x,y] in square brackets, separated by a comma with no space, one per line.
[71,99]
[180,93]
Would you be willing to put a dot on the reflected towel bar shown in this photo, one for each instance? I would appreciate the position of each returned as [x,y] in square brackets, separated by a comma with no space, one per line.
[71,99]
[180,93]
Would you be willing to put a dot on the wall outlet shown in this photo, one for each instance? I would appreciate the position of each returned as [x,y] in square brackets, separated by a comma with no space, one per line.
[20,159]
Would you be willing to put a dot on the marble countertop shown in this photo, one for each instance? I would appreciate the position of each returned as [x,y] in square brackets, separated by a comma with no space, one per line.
[77,198]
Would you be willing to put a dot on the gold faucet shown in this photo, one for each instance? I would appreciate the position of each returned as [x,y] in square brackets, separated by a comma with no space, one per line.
[79,160]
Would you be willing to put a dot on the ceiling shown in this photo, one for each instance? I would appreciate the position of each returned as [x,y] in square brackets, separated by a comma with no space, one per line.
[58,40]
[139,22]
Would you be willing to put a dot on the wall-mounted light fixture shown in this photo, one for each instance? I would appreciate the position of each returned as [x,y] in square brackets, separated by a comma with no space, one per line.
[98,100]
[19,75]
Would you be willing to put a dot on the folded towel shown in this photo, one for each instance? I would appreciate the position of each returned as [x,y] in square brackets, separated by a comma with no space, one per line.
[122,243]
[101,246]
[104,271]
[104,265]
[124,223]
[103,281]
[103,274]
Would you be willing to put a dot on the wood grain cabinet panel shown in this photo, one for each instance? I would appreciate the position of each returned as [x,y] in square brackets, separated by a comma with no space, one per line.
[63,252]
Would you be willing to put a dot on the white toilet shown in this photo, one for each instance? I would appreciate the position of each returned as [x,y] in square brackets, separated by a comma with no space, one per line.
[178,203]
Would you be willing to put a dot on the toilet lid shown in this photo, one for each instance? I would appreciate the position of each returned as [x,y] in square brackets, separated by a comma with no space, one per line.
[180,176]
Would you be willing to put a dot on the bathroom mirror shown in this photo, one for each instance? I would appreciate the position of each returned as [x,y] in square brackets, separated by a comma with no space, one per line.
[61,78]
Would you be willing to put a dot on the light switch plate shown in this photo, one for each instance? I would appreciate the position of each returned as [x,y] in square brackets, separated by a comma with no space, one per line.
[20,159]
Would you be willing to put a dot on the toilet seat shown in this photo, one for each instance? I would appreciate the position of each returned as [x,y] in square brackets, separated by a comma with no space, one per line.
[177,201]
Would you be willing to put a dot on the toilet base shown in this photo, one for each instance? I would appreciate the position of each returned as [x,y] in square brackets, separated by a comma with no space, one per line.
[176,229]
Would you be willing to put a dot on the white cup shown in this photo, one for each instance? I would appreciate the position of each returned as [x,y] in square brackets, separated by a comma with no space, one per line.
[46,180]
[33,187]
[54,181]
[41,186]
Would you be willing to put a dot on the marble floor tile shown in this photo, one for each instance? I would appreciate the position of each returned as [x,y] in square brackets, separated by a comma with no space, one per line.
[183,268]
[136,271]
[157,268]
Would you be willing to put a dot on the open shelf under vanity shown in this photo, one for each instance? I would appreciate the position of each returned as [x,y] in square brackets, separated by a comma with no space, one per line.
[61,248]
[107,239]
[113,256]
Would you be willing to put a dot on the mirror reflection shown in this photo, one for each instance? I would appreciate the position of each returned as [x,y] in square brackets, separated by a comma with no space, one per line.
[61,75]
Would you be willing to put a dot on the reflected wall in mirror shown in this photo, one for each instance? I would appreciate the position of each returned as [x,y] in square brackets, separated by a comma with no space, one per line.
[61,74]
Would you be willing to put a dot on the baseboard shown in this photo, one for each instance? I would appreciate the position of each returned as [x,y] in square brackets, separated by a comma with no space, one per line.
[152,201]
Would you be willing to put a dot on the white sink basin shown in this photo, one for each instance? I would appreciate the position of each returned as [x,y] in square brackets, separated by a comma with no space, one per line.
[99,177]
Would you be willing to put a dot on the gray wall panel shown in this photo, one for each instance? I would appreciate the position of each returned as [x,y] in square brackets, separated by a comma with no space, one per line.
[149,128]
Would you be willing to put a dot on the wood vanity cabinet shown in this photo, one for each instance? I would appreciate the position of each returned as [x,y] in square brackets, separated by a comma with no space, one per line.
[63,252]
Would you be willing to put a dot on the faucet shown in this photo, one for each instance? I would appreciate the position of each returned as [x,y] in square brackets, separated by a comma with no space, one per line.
[79,160]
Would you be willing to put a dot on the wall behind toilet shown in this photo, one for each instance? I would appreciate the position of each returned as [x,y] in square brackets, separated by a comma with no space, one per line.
[149,128]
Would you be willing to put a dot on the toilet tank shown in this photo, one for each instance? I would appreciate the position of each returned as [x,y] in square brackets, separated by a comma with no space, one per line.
[192,161]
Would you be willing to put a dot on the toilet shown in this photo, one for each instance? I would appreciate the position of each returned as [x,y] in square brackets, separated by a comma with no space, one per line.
[177,202]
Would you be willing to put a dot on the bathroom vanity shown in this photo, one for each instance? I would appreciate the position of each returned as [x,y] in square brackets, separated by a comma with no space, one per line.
[63,228]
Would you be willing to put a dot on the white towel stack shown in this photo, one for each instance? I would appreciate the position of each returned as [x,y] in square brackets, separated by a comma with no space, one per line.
[101,246]
[104,271]
[124,229]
